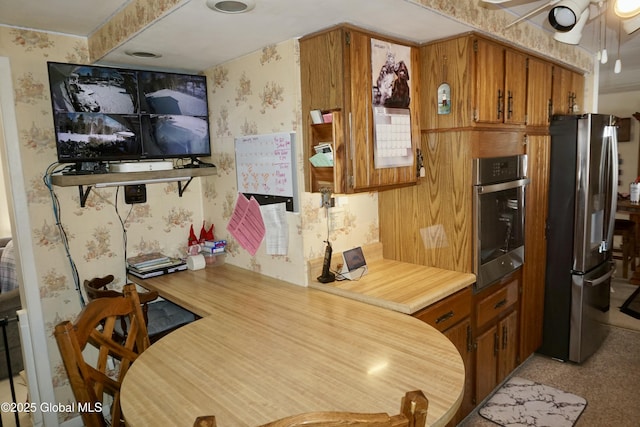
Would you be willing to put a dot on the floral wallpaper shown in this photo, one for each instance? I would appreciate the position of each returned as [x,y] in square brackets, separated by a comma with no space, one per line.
[255,94]
[134,17]
[260,94]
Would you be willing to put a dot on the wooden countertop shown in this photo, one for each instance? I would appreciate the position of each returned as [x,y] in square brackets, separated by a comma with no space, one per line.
[268,349]
[399,286]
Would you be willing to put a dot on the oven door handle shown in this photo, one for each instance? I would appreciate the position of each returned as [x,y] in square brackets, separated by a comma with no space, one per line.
[484,189]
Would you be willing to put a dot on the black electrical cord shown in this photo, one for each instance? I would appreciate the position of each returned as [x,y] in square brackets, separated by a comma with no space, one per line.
[51,169]
[124,230]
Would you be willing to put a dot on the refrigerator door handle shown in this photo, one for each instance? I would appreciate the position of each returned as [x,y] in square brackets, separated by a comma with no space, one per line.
[600,280]
[610,131]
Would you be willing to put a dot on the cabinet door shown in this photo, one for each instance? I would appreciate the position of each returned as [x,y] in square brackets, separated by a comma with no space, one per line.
[362,174]
[568,91]
[577,90]
[515,87]
[508,351]
[489,82]
[460,336]
[539,80]
[535,245]
[486,363]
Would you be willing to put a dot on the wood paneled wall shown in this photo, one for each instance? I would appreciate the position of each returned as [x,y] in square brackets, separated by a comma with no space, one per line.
[438,208]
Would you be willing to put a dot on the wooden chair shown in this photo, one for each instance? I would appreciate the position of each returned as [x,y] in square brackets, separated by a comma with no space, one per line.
[627,250]
[161,317]
[95,325]
[413,413]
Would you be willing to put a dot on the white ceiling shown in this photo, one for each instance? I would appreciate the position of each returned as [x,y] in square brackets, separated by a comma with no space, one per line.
[192,37]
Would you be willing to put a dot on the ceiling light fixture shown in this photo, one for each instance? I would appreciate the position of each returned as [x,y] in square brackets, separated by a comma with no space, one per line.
[574,35]
[144,55]
[231,6]
[566,14]
[631,25]
[626,8]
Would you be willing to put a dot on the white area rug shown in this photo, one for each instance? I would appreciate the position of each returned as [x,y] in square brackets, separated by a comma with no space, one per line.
[521,402]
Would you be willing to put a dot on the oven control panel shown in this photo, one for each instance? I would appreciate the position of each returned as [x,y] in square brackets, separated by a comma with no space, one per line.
[499,169]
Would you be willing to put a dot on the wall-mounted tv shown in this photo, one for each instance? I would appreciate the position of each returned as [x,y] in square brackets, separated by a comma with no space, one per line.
[105,114]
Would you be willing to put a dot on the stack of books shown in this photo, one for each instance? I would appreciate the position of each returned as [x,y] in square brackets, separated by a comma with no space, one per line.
[154,264]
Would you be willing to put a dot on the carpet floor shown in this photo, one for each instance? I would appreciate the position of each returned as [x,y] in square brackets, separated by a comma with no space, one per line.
[609,380]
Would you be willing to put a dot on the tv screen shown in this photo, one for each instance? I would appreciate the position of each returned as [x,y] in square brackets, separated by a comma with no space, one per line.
[104,114]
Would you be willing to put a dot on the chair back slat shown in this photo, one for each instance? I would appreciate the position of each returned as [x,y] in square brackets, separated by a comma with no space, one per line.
[95,325]
[413,413]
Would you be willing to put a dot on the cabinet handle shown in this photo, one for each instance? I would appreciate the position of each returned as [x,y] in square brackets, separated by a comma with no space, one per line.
[509,104]
[496,346]
[444,317]
[469,340]
[500,303]
[500,104]
[504,337]
[550,108]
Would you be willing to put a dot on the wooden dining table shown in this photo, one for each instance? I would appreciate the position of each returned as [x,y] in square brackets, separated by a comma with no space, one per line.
[266,349]
[632,209]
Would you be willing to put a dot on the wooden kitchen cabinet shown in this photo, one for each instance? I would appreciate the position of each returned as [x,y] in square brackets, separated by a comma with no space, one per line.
[497,342]
[337,78]
[500,84]
[328,177]
[568,91]
[535,244]
[539,84]
[452,317]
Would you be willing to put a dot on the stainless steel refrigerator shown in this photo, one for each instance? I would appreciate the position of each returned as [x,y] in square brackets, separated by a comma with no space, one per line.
[582,204]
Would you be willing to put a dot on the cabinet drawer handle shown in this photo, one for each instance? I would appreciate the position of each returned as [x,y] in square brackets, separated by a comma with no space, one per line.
[500,303]
[444,317]
[510,105]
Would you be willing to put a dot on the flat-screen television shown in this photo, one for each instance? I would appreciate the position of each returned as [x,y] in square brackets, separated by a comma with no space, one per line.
[105,114]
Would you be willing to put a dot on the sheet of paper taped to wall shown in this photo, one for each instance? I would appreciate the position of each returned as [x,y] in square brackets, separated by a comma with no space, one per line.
[434,237]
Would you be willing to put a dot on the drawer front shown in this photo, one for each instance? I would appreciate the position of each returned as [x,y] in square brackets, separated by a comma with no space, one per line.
[446,313]
[497,303]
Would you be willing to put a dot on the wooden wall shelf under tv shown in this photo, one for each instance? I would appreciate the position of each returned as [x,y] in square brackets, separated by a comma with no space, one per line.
[130,178]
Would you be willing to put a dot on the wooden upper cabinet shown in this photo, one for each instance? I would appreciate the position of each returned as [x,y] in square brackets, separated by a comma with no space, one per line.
[447,62]
[568,91]
[337,77]
[515,87]
[488,80]
[500,84]
[539,80]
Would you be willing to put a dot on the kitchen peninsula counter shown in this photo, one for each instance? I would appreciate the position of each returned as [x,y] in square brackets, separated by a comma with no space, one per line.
[265,349]
[395,285]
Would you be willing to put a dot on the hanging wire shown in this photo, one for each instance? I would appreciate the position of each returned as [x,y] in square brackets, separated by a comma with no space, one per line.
[51,169]
[123,223]
[604,58]
[618,65]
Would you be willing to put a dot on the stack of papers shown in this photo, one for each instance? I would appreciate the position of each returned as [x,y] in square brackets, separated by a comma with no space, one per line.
[154,264]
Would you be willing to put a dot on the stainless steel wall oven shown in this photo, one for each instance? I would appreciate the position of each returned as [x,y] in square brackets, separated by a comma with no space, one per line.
[498,215]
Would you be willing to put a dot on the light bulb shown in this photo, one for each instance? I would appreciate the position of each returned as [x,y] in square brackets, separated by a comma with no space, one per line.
[604,58]
[618,67]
